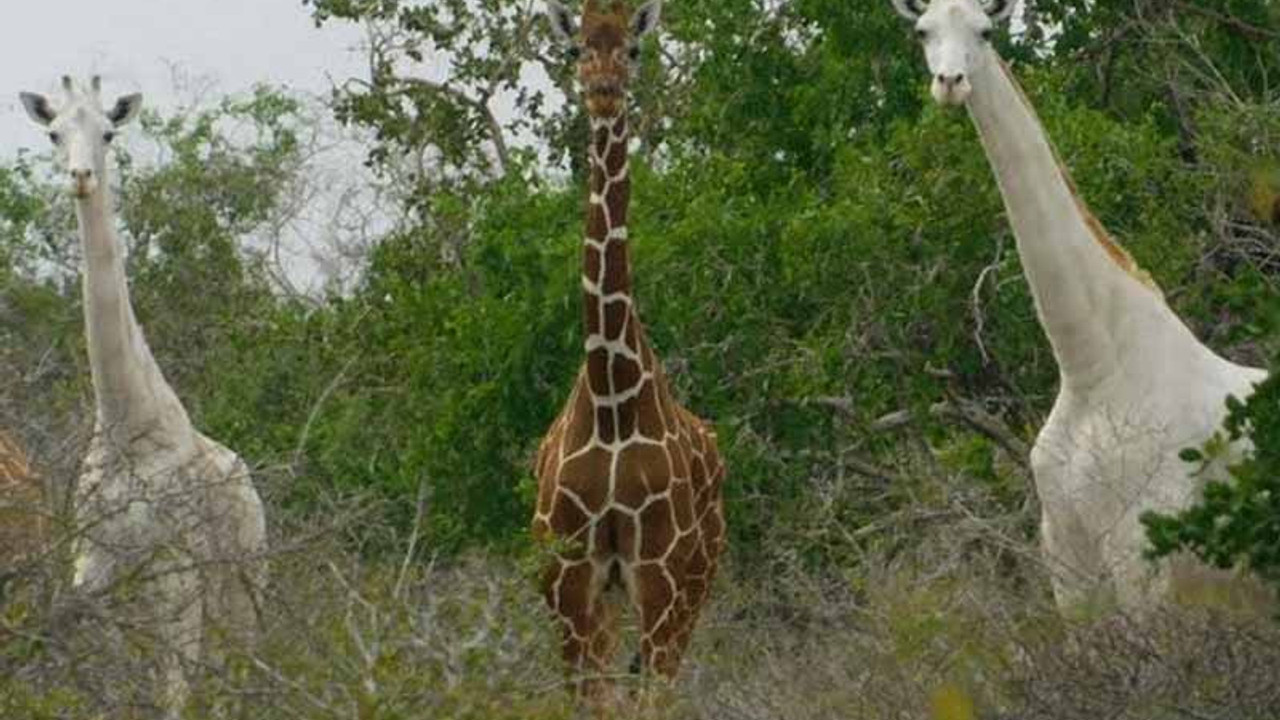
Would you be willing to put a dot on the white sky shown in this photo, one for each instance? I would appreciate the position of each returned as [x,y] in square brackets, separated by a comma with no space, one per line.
[180,52]
[136,45]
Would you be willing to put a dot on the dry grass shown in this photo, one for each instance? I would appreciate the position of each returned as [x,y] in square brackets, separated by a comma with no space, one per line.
[911,637]
[942,613]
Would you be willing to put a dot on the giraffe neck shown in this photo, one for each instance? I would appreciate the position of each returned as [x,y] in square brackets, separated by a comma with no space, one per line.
[130,391]
[615,343]
[1092,299]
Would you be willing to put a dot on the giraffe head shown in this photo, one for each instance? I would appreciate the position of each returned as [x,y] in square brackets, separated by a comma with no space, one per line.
[955,35]
[605,47]
[81,129]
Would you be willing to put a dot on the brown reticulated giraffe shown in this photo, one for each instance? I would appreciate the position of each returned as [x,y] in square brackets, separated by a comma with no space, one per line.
[629,482]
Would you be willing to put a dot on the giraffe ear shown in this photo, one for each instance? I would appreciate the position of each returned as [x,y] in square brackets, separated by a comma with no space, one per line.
[125,109]
[909,9]
[999,10]
[37,107]
[645,19]
[563,28]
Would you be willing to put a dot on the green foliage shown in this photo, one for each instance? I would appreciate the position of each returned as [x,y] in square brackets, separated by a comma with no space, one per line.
[764,295]
[21,207]
[188,220]
[817,248]
[822,262]
[465,357]
[18,699]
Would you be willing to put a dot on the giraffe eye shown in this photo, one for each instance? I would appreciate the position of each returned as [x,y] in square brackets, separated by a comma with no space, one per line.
[55,138]
[986,34]
[108,136]
[921,34]
[633,52]
[574,52]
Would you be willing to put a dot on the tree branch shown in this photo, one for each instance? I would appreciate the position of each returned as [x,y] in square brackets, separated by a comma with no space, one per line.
[1235,23]
[480,105]
[971,414]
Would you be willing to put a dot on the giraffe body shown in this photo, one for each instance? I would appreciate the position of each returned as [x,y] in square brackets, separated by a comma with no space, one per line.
[160,507]
[629,481]
[1109,453]
[1136,386]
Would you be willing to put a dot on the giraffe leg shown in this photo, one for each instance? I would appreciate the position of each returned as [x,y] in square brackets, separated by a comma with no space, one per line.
[602,645]
[700,573]
[661,600]
[575,592]
[670,595]
[658,595]
[693,595]
[179,607]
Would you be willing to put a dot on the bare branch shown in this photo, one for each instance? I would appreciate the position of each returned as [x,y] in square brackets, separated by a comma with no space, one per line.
[971,414]
[480,105]
[979,319]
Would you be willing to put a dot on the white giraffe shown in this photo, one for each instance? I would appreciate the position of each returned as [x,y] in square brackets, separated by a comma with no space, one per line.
[158,503]
[1136,387]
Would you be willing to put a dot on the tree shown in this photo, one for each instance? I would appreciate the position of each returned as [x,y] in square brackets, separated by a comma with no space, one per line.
[821,257]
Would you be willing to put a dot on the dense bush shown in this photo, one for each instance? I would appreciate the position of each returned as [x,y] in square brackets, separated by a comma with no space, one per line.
[827,275]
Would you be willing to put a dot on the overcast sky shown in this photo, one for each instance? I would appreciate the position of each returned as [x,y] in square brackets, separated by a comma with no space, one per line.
[136,44]
[176,52]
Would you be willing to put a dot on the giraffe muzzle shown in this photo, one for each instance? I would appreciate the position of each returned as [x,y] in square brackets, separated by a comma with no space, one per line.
[605,88]
[951,89]
[83,183]
[604,98]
